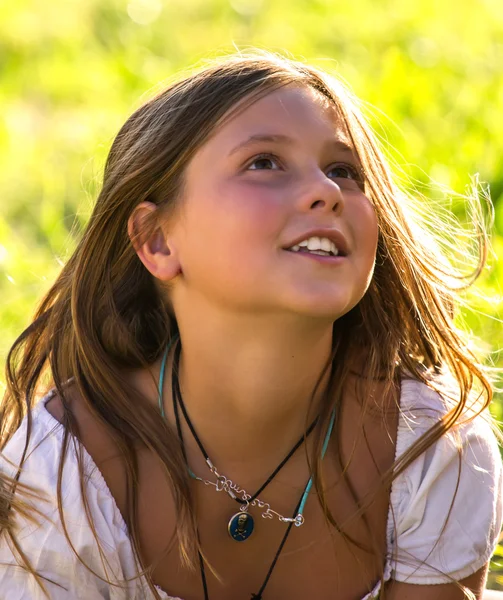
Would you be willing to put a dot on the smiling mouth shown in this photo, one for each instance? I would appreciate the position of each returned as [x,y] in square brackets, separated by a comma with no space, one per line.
[329,244]
[303,250]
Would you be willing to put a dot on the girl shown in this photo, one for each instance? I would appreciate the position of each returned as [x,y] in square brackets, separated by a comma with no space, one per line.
[252,382]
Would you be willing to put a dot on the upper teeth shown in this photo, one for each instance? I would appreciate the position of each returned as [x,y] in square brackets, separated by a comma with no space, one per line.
[316,243]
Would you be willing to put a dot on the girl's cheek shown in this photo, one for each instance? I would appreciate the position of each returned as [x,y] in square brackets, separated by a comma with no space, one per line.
[366,210]
[257,200]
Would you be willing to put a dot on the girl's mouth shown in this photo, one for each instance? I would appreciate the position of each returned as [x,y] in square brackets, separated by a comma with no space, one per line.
[304,250]
[318,255]
[322,246]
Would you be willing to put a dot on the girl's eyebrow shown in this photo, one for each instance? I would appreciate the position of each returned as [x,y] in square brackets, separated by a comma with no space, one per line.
[337,144]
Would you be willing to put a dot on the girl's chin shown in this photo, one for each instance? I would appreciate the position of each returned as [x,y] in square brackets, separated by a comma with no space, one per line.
[320,310]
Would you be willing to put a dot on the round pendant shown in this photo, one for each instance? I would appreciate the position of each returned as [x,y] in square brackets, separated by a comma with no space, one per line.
[241,526]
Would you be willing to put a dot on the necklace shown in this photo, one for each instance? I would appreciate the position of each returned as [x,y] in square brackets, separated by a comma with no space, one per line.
[241,524]
[299,509]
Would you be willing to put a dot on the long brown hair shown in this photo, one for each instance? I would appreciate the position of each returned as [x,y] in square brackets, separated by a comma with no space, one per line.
[105,313]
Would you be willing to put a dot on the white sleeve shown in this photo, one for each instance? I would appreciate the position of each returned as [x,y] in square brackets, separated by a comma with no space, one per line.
[447,505]
[45,544]
[48,552]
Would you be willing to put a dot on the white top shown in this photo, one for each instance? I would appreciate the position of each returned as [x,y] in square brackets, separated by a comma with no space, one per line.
[419,504]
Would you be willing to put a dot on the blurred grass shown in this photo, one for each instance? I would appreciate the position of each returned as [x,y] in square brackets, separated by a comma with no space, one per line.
[72,71]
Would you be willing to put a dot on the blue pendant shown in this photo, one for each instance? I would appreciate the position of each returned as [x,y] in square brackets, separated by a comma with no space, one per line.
[241,526]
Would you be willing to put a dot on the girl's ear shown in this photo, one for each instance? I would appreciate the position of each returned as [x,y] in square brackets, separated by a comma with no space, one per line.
[155,251]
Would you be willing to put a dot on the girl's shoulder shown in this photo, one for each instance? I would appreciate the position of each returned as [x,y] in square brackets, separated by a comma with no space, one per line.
[41,463]
[450,497]
[41,472]
[423,405]
[45,446]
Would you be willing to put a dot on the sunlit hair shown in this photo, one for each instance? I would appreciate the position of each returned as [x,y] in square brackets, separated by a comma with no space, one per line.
[106,313]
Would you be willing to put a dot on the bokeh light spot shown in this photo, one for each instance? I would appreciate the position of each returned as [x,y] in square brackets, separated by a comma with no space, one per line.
[144,12]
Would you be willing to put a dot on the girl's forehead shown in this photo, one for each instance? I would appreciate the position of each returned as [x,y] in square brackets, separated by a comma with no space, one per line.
[287,110]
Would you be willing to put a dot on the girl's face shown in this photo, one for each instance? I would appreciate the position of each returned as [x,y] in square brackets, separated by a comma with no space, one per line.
[276,174]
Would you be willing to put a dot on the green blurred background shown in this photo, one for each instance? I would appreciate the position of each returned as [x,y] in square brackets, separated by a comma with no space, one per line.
[71,71]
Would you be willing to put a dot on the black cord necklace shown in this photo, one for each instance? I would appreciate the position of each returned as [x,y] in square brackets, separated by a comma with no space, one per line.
[177,398]
[241,524]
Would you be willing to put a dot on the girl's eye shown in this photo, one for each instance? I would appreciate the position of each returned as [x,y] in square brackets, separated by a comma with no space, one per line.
[265,162]
[344,171]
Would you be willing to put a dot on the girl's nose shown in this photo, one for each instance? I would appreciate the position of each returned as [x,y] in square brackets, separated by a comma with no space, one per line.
[322,193]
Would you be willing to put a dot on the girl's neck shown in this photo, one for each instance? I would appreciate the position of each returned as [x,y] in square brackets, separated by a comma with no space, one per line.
[248,386]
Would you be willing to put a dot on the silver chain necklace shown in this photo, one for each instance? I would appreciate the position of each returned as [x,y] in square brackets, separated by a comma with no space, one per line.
[223,484]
